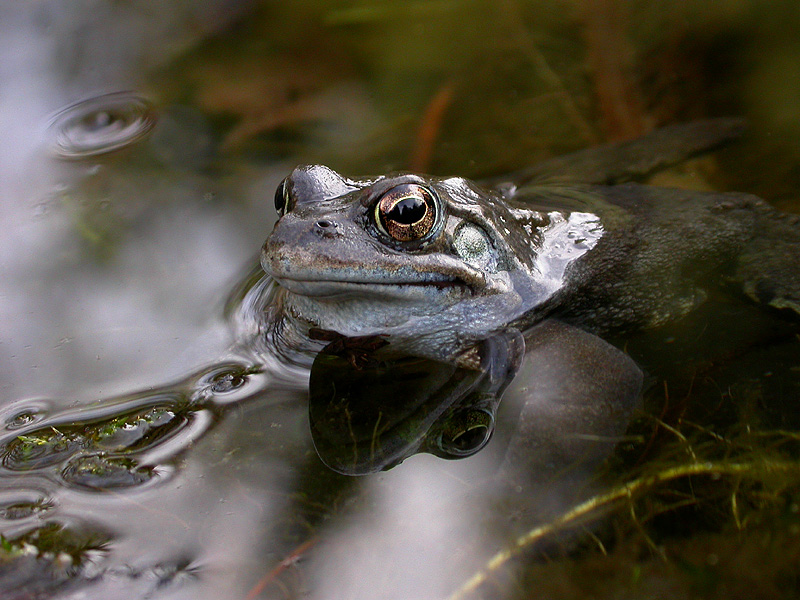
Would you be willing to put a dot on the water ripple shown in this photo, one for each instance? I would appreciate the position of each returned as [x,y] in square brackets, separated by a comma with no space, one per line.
[23,413]
[101,124]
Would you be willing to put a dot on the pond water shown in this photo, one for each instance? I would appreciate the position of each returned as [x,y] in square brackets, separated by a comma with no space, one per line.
[154,446]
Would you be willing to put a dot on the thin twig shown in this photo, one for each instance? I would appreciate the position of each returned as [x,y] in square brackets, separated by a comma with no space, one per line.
[430,126]
[279,568]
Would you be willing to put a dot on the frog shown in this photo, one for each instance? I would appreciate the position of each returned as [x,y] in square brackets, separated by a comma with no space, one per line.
[488,284]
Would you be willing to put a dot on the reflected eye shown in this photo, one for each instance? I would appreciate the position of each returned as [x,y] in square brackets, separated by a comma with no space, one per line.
[467,432]
[280,198]
[406,212]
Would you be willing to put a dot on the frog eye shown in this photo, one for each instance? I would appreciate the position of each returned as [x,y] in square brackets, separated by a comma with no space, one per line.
[406,213]
[467,432]
[281,196]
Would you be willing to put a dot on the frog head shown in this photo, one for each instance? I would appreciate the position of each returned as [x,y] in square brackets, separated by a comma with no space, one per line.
[432,264]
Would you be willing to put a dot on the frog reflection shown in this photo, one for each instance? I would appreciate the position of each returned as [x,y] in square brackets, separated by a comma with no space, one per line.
[467,278]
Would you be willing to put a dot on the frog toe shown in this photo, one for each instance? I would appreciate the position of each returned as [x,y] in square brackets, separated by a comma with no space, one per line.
[769,269]
[776,294]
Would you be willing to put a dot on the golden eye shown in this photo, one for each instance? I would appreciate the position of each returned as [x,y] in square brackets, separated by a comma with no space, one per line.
[406,212]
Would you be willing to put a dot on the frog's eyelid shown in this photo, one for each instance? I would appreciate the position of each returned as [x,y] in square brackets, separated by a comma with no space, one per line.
[377,219]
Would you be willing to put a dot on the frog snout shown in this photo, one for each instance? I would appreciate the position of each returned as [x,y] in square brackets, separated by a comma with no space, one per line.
[302,231]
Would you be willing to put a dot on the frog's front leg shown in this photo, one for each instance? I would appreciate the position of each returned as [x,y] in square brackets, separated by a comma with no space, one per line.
[569,403]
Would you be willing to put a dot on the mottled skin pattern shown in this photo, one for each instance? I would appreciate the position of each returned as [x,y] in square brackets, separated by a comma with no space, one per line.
[338,272]
[518,275]
[659,257]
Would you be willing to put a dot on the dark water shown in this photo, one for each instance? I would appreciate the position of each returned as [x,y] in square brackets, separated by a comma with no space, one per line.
[152,449]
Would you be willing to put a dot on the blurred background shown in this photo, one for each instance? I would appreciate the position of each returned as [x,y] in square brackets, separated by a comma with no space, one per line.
[116,259]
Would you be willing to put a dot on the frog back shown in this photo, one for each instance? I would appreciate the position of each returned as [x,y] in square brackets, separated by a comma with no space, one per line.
[664,250]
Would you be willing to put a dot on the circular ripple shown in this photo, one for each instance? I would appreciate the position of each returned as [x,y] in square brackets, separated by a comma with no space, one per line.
[229,382]
[23,503]
[21,414]
[137,431]
[40,449]
[101,124]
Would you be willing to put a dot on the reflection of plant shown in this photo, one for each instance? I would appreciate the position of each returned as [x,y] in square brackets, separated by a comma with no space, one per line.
[135,430]
[53,541]
[101,472]
[21,510]
[40,449]
[55,441]
[98,225]
[123,434]
[9,548]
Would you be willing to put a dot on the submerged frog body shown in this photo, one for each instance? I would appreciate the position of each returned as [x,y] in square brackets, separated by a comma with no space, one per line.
[448,270]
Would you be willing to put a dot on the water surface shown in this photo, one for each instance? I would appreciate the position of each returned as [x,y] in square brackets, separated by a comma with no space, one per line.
[152,449]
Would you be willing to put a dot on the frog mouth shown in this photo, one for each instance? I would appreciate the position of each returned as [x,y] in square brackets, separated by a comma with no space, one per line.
[401,288]
[312,271]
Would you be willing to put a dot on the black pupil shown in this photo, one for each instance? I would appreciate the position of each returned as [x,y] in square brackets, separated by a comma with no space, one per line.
[407,211]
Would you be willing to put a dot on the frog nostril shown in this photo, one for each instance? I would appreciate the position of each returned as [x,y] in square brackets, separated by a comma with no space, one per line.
[326,228]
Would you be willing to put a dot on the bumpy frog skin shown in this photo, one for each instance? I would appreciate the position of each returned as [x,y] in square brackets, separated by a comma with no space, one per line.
[483,263]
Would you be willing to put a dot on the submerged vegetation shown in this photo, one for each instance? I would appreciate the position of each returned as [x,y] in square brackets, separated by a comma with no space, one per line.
[683,526]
